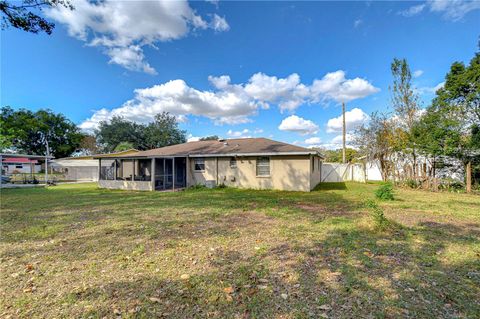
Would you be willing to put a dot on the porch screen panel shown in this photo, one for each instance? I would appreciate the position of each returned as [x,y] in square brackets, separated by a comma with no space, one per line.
[107,169]
[124,170]
[143,169]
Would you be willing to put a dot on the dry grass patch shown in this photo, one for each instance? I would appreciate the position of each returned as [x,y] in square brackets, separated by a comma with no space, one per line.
[78,251]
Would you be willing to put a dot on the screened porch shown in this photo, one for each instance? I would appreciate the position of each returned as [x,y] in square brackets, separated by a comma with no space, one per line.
[162,174]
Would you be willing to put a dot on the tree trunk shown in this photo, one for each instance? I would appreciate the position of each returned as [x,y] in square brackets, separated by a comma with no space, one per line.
[414,165]
[468,172]
[433,168]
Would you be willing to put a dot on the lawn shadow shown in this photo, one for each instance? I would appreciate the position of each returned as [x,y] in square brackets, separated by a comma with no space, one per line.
[330,186]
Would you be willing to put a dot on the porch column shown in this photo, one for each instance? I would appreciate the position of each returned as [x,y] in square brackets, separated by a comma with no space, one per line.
[173,175]
[152,173]
[99,169]
[133,171]
[115,170]
[187,172]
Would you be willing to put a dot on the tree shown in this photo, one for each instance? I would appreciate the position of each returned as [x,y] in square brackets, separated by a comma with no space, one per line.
[450,126]
[20,16]
[163,131]
[405,102]
[435,137]
[210,138]
[123,146]
[335,156]
[88,145]
[26,131]
[119,130]
[374,141]
[458,102]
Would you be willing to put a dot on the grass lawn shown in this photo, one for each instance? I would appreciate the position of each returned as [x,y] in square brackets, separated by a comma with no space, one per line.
[79,251]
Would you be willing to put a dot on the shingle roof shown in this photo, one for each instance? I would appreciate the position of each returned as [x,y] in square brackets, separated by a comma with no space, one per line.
[241,146]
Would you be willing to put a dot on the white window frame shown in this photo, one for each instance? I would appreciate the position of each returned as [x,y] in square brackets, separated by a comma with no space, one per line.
[199,161]
[265,164]
[233,161]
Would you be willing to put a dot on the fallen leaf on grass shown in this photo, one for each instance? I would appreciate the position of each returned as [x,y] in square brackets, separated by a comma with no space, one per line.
[229,290]
[325,307]
[153,299]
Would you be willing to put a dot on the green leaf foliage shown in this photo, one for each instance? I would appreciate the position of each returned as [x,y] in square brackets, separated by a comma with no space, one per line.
[26,131]
[385,192]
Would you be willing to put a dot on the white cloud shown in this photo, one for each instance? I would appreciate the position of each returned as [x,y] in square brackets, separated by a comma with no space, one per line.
[245,133]
[335,86]
[232,103]
[413,10]
[338,140]
[219,23]
[288,93]
[430,89]
[123,28]
[453,10]
[299,125]
[179,99]
[191,138]
[357,23]
[353,119]
[313,140]
[417,73]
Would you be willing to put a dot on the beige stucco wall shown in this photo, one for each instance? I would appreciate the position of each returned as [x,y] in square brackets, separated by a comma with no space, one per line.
[286,173]
[316,173]
[126,185]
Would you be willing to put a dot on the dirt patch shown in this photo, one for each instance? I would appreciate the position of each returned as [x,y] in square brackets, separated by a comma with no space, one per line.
[321,210]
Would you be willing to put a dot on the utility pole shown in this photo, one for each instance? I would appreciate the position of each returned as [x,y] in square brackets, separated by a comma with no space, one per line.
[468,172]
[344,133]
[47,154]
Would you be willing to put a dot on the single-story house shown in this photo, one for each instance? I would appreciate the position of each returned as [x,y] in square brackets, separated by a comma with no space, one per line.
[82,168]
[257,163]
[20,165]
[13,163]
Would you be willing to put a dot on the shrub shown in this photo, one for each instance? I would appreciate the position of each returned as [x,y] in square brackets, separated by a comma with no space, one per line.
[197,187]
[380,221]
[411,183]
[385,192]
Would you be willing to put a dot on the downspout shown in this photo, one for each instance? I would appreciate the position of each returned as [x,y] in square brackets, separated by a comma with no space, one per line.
[216,171]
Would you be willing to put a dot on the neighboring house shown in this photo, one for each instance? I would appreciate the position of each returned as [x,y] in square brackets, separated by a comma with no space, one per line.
[16,165]
[82,168]
[257,163]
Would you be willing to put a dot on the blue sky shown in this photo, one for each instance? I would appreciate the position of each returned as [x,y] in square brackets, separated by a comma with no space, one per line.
[285,65]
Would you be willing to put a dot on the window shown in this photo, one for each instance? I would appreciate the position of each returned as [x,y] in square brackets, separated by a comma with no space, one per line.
[233,162]
[312,160]
[263,166]
[199,164]
[19,166]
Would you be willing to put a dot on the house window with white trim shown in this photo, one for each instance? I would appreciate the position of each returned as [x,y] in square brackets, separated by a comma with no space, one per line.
[233,162]
[199,164]
[263,166]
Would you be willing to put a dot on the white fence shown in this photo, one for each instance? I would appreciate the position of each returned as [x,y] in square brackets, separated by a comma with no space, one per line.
[337,172]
